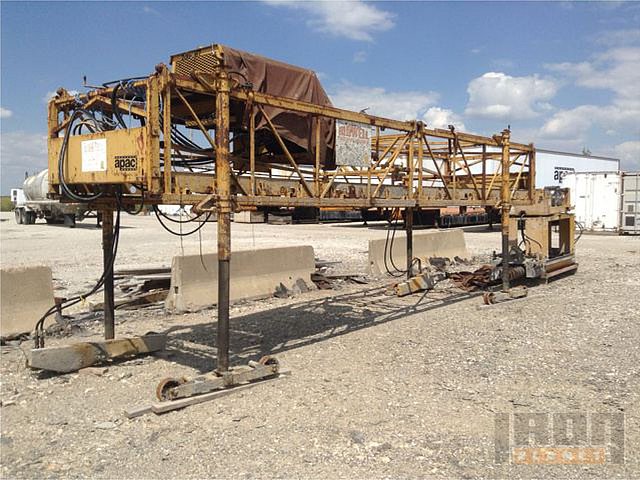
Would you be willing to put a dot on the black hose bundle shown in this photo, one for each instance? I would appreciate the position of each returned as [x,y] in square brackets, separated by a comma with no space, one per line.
[388,247]
[69,302]
[61,161]
[159,216]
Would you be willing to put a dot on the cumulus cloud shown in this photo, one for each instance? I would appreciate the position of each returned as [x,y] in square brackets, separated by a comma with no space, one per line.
[355,20]
[576,122]
[571,124]
[500,96]
[616,70]
[5,112]
[21,152]
[436,117]
[629,154]
[408,105]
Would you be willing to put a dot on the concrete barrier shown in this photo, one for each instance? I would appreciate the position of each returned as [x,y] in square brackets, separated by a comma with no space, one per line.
[249,216]
[433,243]
[26,294]
[254,274]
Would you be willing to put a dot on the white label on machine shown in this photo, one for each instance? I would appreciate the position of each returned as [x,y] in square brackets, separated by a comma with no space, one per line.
[94,155]
[353,144]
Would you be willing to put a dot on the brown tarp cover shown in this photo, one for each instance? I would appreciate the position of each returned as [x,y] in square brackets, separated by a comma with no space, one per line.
[284,80]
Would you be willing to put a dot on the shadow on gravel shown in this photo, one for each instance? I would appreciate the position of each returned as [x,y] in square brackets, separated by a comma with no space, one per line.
[284,328]
[484,228]
[80,226]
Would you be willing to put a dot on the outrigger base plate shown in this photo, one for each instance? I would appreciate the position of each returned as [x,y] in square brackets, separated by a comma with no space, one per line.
[176,388]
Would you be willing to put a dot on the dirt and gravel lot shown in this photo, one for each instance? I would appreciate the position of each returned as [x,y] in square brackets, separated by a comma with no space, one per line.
[380,386]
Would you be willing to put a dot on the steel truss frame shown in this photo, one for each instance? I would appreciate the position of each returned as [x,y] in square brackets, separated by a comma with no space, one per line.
[411,166]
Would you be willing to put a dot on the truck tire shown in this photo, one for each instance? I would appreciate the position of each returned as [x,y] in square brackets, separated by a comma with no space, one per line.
[23,216]
[16,212]
[30,217]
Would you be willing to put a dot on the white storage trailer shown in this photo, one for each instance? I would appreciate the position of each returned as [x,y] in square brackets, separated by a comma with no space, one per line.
[596,199]
[552,167]
[630,203]
[606,201]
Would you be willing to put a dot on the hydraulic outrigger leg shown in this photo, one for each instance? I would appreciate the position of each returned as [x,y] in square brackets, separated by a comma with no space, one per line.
[222,376]
[107,253]
[223,184]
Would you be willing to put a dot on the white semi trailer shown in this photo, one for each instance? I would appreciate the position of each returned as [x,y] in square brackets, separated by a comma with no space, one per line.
[31,203]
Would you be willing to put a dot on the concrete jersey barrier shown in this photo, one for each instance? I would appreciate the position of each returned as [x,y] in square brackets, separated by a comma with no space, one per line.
[433,243]
[254,274]
[26,294]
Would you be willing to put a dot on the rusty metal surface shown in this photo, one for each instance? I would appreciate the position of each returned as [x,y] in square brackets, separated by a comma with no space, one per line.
[175,388]
[276,150]
[471,281]
[491,298]
[420,166]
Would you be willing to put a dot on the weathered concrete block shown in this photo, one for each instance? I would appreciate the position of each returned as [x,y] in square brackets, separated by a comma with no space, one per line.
[69,358]
[432,243]
[249,216]
[254,274]
[26,294]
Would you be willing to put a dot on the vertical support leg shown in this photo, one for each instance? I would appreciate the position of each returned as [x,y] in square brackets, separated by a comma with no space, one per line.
[107,251]
[506,207]
[223,185]
[316,171]
[532,172]
[252,149]
[505,249]
[409,231]
[166,134]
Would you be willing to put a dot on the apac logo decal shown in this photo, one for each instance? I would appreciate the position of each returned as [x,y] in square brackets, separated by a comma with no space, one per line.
[560,172]
[126,163]
[559,438]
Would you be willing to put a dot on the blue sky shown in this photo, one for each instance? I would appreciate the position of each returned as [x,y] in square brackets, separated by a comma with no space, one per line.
[563,75]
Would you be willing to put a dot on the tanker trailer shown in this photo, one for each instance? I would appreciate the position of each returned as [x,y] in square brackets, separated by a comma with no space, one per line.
[34,204]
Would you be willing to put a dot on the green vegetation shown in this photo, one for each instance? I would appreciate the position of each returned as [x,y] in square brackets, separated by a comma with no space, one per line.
[5,204]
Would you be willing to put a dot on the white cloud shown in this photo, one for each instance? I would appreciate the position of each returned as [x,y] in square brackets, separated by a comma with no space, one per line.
[576,122]
[619,37]
[360,56]
[355,20]
[21,152]
[5,112]
[616,70]
[436,117]
[629,154]
[408,105]
[500,96]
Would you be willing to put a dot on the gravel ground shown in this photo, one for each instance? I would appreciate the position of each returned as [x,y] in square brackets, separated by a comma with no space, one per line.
[380,386]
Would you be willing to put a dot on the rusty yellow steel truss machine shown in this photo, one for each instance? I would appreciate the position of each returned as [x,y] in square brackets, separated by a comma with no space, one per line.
[141,140]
